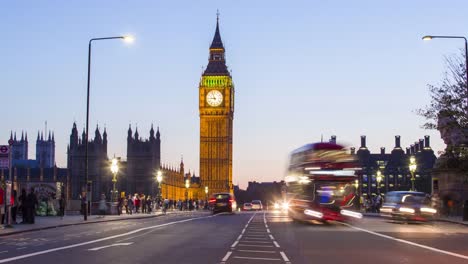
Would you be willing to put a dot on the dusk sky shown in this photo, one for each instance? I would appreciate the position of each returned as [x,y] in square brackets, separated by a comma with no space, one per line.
[301,69]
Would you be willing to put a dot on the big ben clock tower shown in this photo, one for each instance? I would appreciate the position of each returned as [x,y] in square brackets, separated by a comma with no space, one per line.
[216,104]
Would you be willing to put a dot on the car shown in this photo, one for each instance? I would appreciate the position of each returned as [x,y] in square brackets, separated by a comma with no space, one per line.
[257,205]
[407,206]
[247,207]
[222,202]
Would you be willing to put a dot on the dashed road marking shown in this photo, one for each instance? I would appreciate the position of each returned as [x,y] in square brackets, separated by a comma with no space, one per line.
[256,251]
[276,244]
[285,258]
[226,257]
[235,244]
[237,257]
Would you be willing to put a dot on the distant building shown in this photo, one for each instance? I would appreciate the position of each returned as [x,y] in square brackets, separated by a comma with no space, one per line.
[143,160]
[45,151]
[267,192]
[394,167]
[99,174]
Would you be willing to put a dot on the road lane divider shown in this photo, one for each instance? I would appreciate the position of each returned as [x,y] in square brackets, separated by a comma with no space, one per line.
[113,245]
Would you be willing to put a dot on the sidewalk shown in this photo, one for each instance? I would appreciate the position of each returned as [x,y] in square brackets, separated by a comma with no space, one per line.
[48,222]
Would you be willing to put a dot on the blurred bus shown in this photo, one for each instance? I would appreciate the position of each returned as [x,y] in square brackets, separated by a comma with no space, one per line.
[321,183]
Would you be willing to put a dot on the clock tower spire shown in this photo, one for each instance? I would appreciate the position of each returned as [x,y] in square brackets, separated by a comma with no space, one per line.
[216,106]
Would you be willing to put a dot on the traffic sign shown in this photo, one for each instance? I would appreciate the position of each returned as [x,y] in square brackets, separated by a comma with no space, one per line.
[4,149]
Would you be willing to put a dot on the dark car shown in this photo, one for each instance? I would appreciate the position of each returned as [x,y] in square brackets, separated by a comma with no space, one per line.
[222,202]
[408,206]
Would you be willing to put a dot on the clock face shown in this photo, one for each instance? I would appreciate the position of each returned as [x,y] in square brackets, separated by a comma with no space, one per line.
[214,98]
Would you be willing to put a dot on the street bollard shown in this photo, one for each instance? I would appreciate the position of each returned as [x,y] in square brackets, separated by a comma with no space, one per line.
[465,211]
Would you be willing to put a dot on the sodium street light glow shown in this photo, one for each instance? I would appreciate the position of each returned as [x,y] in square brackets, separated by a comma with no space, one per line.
[427,37]
[129,38]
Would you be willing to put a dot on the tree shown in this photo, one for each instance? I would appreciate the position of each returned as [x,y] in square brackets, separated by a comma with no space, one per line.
[447,113]
[450,96]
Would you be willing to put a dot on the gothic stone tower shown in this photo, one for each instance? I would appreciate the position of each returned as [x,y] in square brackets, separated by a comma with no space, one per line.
[98,163]
[143,159]
[216,105]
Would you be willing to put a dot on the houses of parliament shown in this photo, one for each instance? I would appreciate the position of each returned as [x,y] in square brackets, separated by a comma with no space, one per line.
[137,174]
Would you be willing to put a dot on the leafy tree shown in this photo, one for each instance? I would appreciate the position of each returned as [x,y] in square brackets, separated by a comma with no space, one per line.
[450,96]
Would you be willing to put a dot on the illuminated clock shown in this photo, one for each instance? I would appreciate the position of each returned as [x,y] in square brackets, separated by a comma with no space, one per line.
[214,98]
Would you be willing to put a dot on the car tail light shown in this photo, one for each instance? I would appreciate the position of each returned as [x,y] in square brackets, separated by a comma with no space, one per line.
[212,200]
[231,200]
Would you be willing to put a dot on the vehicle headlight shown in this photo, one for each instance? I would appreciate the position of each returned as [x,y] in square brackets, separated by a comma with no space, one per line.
[386,209]
[285,206]
[276,206]
[313,213]
[406,210]
[428,210]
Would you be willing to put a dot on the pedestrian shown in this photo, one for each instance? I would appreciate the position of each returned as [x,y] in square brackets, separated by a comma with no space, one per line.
[120,203]
[130,204]
[143,203]
[2,205]
[137,203]
[149,204]
[102,205]
[83,203]
[14,207]
[22,206]
[31,203]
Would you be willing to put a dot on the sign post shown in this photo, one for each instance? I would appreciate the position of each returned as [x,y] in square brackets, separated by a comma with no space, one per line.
[5,162]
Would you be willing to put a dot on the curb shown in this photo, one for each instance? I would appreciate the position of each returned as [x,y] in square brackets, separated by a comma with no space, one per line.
[451,221]
[72,224]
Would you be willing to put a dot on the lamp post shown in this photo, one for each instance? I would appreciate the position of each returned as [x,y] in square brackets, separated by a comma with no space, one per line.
[412,167]
[206,196]
[114,169]
[159,178]
[127,39]
[187,185]
[429,37]
[379,179]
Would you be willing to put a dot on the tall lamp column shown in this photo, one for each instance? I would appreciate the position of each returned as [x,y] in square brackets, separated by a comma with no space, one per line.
[379,179]
[127,39]
[412,167]
[114,170]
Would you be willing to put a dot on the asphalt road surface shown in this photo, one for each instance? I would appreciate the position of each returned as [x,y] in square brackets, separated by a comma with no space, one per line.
[247,237]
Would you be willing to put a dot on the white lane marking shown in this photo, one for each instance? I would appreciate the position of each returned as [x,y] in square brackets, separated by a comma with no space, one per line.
[243,231]
[255,232]
[276,244]
[256,258]
[227,256]
[272,238]
[407,242]
[99,240]
[234,244]
[255,238]
[285,258]
[239,237]
[268,230]
[20,248]
[250,245]
[256,251]
[113,245]
[255,235]
[255,241]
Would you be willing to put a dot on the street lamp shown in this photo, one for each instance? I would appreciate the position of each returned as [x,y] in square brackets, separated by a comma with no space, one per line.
[159,178]
[187,185]
[126,39]
[206,196]
[412,167]
[429,37]
[114,169]
[379,179]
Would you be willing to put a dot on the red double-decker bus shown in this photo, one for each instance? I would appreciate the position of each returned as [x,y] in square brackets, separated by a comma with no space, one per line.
[321,183]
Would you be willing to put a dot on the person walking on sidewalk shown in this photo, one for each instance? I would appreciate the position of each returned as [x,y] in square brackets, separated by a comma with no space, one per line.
[31,204]
[22,206]
[62,205]
[130,204]
[120,205]
[102,205]
[14,207]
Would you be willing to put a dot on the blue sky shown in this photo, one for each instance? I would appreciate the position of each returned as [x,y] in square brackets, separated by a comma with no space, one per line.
[302,69]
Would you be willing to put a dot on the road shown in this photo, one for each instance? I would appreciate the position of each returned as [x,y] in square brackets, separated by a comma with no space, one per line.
[247,237]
